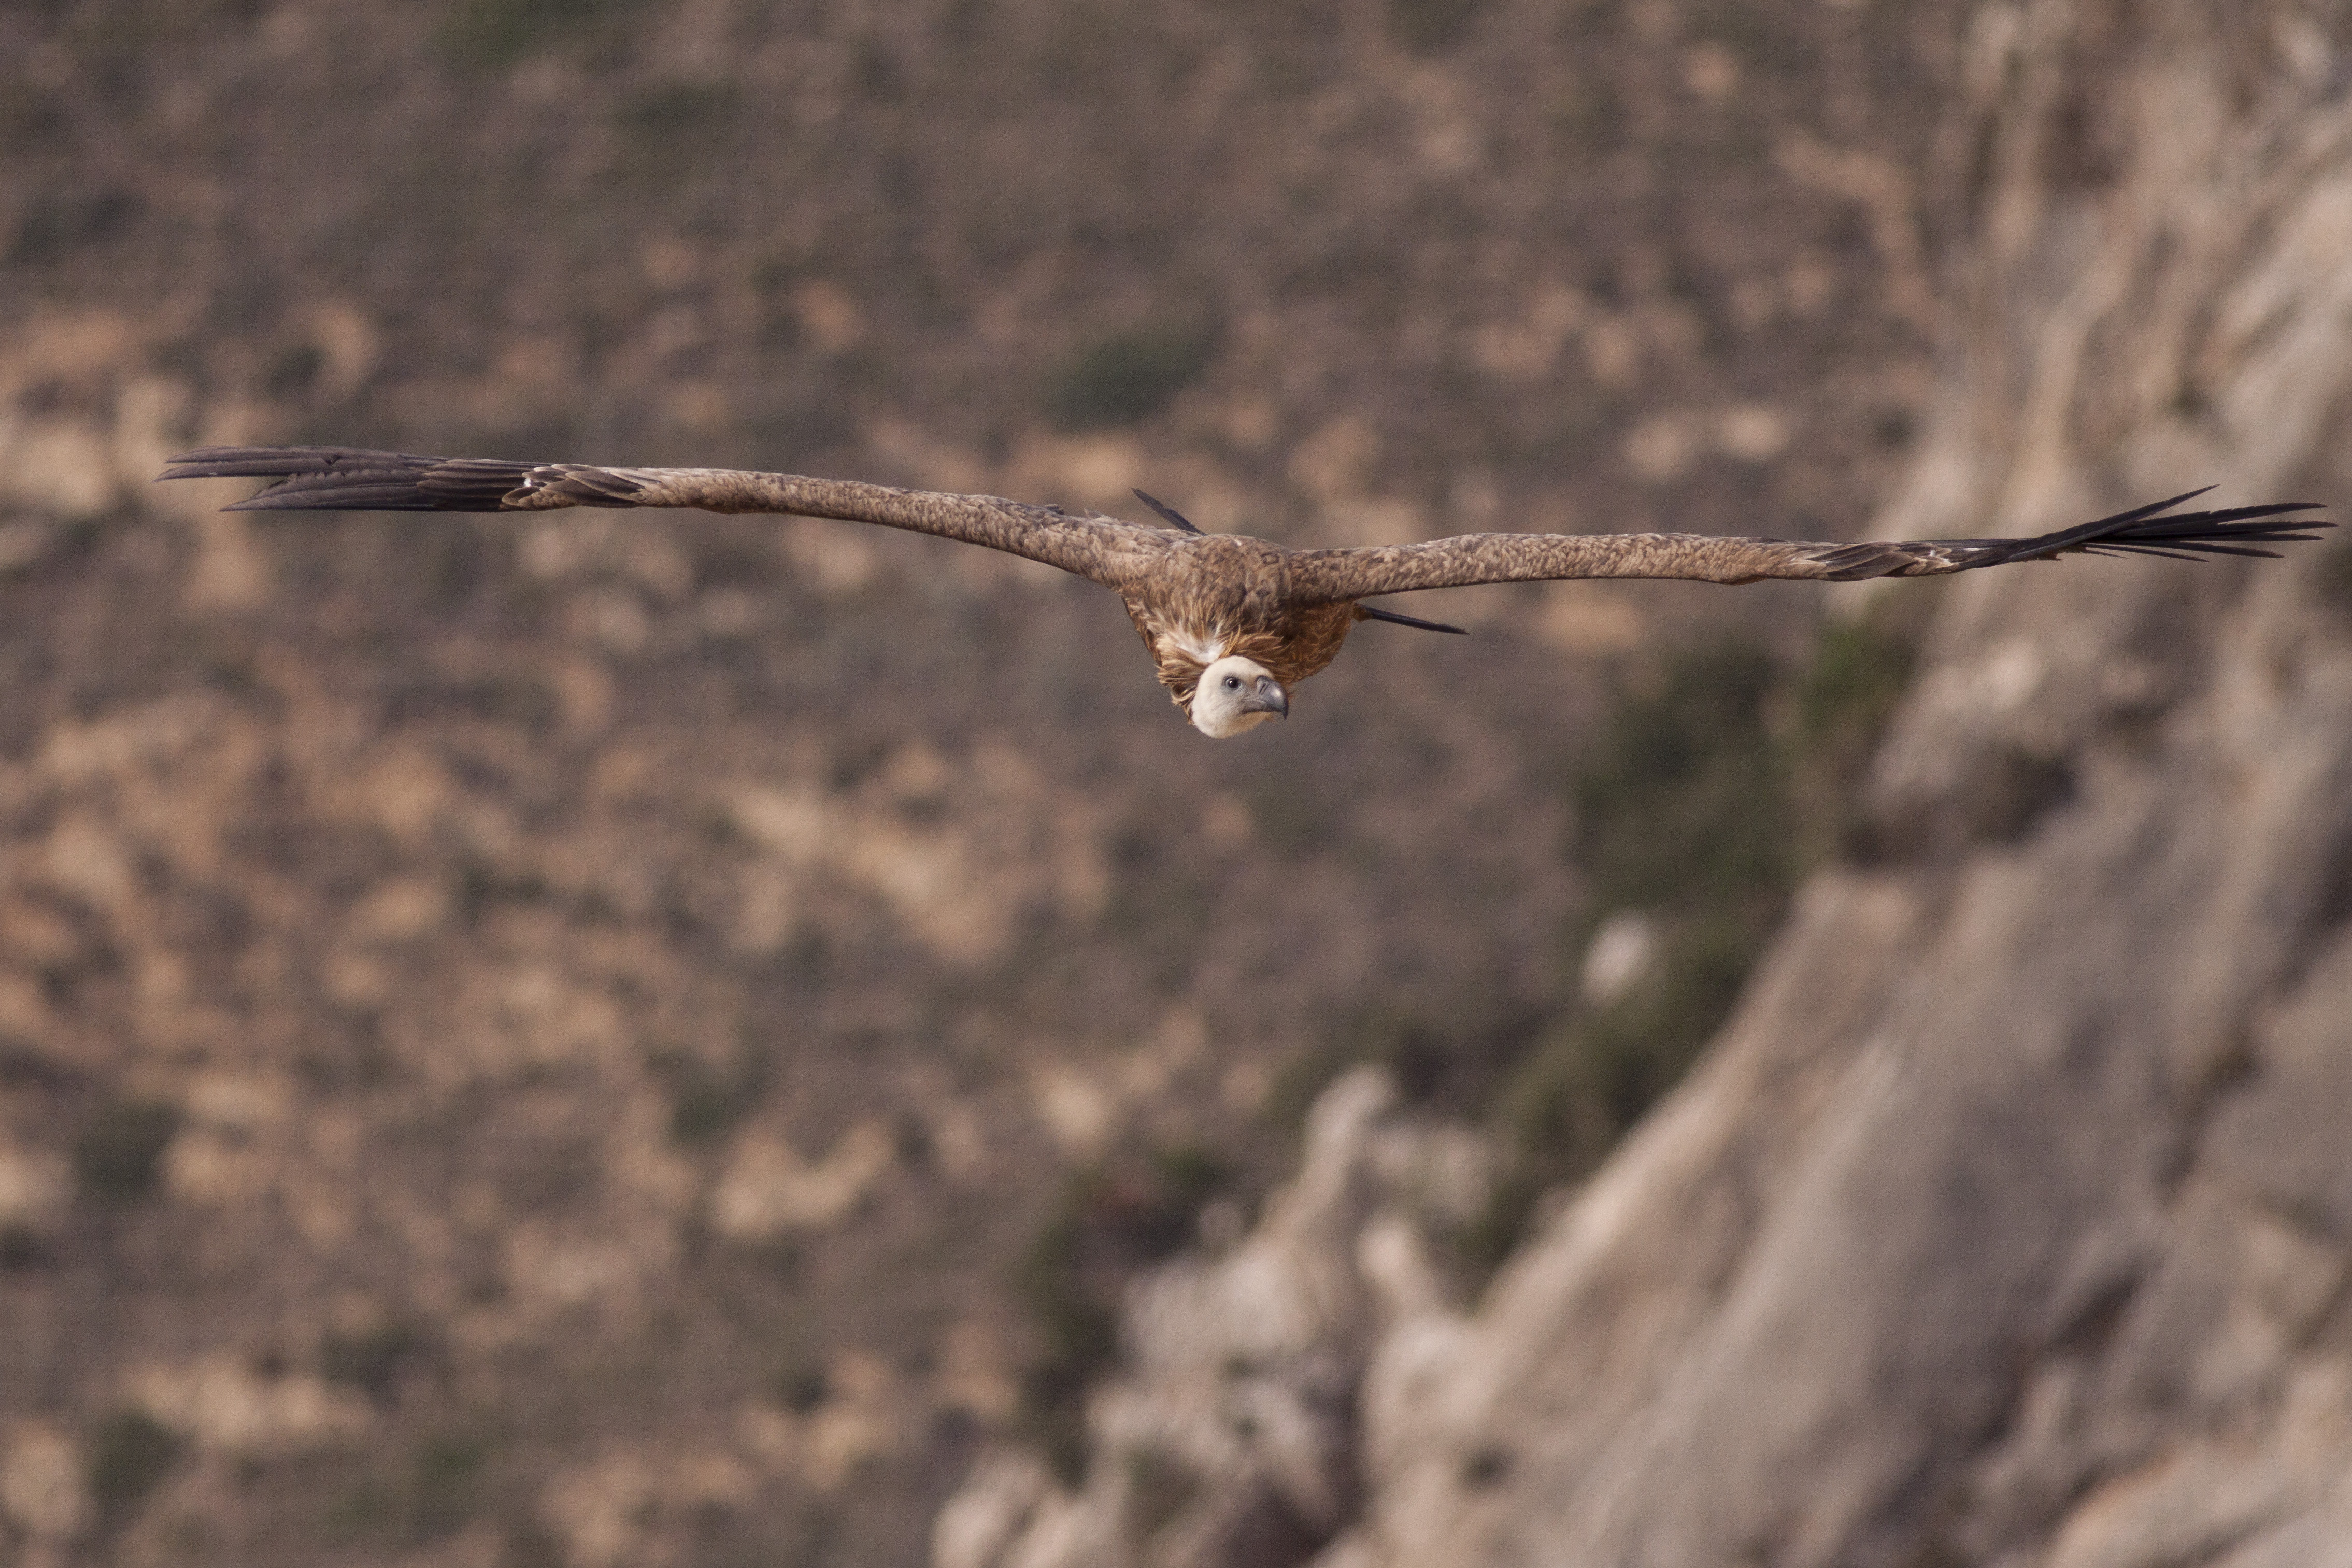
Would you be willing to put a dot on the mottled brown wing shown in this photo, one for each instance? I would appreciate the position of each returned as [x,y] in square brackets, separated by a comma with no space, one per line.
[344,478]
[1319,575]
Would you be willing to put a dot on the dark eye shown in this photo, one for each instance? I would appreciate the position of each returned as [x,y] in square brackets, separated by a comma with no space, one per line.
[1233,683]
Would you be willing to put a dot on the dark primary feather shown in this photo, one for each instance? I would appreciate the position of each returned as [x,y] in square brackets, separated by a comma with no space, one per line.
[2237,531]
[346,478]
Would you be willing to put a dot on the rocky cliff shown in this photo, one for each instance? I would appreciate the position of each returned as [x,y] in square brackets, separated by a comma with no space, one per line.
[2008,1220]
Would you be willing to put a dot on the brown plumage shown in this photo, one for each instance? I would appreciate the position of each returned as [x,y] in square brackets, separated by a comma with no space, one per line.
[1199,599]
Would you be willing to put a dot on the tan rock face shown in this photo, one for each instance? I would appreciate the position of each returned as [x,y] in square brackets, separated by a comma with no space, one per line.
[2009,1221]
[1232,1437]
[41,1489]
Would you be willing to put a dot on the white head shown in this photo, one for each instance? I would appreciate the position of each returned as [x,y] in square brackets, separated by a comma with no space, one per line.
[1236,694]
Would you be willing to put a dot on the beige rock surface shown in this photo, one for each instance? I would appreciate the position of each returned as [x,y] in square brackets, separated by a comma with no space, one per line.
[1231,1439]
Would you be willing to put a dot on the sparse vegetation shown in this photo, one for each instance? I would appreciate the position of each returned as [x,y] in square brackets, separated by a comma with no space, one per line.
[444,1479]
[435,1493]
[1449,1056]
[1112,1220]
[1432,26]
[2332,580]
[667,130]
[1842,701]
[2008,791]
[1288,817]
[371,1360]
[29,117]
[706,1101]
[1126,376]
[120,1148]
[1162,1485]
[530,1544]
[128,1454]
[1683,799]
[295,370]
[490,35]
[1705,799]
[799,1382]
[662,116]
[21,1246]
[57,224]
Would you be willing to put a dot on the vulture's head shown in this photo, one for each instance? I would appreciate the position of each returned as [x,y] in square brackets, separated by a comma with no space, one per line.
[1236,694]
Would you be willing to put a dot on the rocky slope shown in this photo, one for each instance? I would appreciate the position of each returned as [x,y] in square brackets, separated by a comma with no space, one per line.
[2008,1221]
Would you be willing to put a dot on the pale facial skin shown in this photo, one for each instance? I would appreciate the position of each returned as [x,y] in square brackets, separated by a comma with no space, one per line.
[1236,694]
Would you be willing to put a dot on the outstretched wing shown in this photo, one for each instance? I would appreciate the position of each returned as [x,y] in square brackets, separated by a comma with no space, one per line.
[1319,575]
[344,478]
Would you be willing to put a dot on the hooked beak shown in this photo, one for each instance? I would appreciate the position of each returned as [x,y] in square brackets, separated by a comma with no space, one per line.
[1266,696]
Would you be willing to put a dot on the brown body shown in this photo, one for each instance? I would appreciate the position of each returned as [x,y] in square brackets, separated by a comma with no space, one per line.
[1220,594]
[1197,598]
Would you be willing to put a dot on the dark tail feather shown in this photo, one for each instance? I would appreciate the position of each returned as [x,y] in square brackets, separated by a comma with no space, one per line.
[1168,514]
[1371,614]
[349,479]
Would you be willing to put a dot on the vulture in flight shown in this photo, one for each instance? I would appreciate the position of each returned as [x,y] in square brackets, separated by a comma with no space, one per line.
[1233,623]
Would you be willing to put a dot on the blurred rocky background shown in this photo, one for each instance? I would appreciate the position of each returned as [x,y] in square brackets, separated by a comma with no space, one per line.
[678,1040]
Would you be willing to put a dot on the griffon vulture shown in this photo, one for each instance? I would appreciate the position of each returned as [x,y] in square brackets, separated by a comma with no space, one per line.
[1233,623]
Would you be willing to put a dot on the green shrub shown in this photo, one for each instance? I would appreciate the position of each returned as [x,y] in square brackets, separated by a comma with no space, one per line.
[530,1544]
[663,116]
[1128,377]
[1703,802]
[1432,26]
[491,34]
[2333,579]
[31,117]
[21,1247]
[437,1492]
[55,224]
[1119,1218]
[445,1476]
[799,1382]
[1684,800]
[362,1512]
[1843,700]
[1160,1485]
[295,371]
[706,1101]
[2002,794]
[371,1360]
[127,1456]
[1443,1052]
[670,130]
[120,1148]
[1580,1092]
